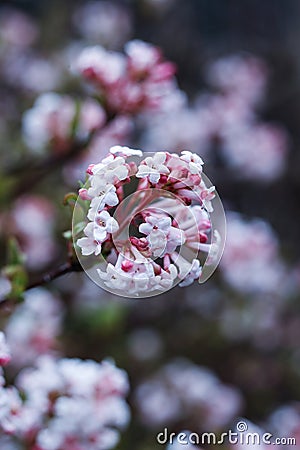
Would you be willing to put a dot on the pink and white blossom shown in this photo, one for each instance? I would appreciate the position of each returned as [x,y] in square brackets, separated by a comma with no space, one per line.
[163,238]
[153,167]
[251,261]
[88,244]
[101,195]
[66,403]
[188,387]
[111,168]
[167,225]
[103,22]
[33,328]
[194,161]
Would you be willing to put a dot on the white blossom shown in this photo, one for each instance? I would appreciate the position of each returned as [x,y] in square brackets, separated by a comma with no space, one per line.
[125,151]
[153,167]
[88,244]
[194,161]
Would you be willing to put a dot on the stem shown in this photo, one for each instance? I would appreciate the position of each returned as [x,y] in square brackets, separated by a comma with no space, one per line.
[63,269]
[36,173]
[56,273]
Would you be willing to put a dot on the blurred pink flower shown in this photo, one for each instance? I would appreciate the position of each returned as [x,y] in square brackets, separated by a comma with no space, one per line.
[33,219]
[251,261]
[33,328]
[66,403]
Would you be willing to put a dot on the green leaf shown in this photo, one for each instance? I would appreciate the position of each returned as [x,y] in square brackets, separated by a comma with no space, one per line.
[75,121]
[15,255]
[70,199]
[67,234]
[19,279]
[78,228]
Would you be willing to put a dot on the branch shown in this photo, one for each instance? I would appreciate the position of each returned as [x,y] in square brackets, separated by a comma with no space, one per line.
[34,174]
[68,267]
[65,268]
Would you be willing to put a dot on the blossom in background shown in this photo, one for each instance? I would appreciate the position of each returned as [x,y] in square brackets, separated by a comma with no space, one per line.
[66,403]
[103,22]
[226,120]
[181,387]
[134,82]
[242,75]
[33,328]
[284,422]
[51,121]
[32,221]
[166,225]
[251,261]
[17,28]
[258,151]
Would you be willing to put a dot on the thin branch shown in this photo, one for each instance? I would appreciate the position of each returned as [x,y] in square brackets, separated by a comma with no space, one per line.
[65,268]
[68,267]
[34,174]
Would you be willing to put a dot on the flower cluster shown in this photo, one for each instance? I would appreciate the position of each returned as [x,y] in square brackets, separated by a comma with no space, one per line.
[181,387]
[130,83]
[66,404]
[103,22]
[285,422]
[53,118]
[251,261]
[34,326]
[149,260]
[226,119]
[32,220]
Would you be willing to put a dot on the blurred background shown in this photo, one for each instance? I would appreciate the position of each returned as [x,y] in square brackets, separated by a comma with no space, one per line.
[200,357]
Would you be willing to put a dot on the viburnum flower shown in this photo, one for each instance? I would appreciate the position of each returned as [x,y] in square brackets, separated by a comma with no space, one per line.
[88,244]
[153,167]
[52,117]
[133,82]
[162,237]
[194,161]
[34,326]
[143,212]
[111,168]
[104,194]
[66,404]
[193,274]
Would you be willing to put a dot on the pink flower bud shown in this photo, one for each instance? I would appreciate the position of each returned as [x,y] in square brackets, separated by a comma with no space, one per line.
[4,360]
[164,71]
[141,244]
[83,194]
[203,238]
[127,265]
[89,170]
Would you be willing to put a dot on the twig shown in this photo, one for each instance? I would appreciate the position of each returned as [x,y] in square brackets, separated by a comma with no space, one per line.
[34,174]
[65,268]
[68,267]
